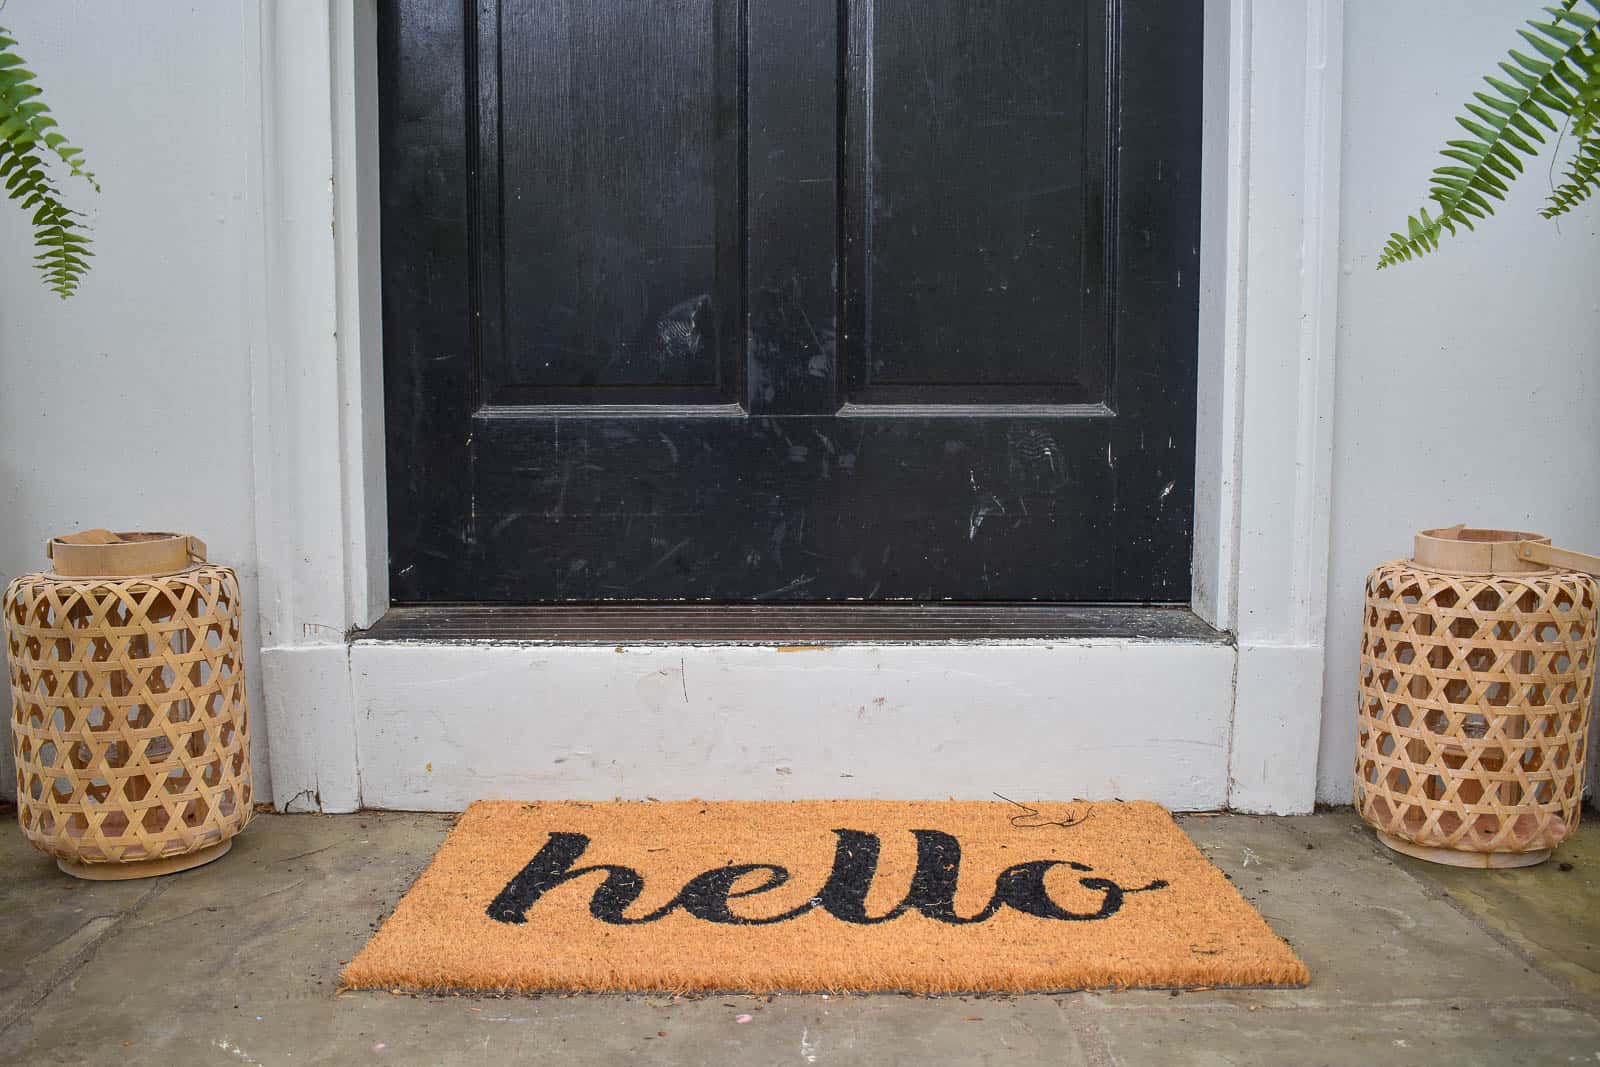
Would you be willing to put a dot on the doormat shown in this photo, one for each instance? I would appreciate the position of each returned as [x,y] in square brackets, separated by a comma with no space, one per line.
[826,896]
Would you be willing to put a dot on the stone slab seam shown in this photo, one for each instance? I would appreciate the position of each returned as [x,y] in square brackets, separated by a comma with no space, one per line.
[70,967]
[1576,999]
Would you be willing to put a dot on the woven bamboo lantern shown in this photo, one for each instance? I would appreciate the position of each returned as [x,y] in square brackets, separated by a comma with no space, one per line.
[1477,668]
[128,716]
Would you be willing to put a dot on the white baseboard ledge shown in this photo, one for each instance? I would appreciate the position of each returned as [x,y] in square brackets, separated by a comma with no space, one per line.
[439,726]
[432,727]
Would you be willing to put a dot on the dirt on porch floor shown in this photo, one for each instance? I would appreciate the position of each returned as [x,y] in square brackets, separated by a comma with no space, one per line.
[238,962]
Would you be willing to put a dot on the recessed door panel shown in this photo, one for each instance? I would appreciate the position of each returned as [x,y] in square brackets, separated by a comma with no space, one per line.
[610,154]
[977,166]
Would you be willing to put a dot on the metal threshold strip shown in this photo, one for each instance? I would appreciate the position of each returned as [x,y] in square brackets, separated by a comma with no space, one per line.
[787,624]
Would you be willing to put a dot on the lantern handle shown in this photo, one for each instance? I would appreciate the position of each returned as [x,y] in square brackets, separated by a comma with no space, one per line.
[1564,558]
[194,549]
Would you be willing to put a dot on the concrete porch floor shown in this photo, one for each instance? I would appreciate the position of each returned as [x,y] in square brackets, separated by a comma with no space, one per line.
[237,963]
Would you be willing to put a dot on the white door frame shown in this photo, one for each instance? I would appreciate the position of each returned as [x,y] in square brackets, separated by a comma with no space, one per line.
[422,725]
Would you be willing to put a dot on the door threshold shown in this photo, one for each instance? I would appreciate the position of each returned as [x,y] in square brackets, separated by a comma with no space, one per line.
[787,624]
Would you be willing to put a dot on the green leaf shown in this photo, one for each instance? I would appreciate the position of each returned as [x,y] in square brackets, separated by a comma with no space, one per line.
[1522,125]
[1538,68]
[1517,74]
[1500,151]
[1512,138]
[1564,38]
[1582,180]
[1482,132]
[1551,52]
[1507,108]
[26,127]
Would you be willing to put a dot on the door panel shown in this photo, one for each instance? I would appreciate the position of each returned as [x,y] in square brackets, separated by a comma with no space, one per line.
[790,301]
[614,140]
[975,199]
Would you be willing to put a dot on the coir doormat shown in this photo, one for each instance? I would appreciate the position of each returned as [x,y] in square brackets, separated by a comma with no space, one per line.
[824,896]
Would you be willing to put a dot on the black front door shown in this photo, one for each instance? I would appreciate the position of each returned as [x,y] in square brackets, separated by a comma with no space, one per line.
[791,300]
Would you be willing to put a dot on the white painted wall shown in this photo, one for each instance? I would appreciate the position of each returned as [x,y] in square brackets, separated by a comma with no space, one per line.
[129,405]
[1468,384]
[162,99]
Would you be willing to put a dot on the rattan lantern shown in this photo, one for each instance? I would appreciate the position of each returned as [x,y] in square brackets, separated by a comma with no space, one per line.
[1477,669]
[128,716]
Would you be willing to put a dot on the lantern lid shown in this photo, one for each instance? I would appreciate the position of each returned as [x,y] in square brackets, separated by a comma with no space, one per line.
[1466,550]
[104,554]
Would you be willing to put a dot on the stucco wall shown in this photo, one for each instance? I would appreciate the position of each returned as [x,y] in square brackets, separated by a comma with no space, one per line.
[128,406]
[1468,384]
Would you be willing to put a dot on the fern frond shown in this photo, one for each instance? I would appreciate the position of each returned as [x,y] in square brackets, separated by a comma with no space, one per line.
[1582,173]
[28,134]
[1582,178]
[1562,77]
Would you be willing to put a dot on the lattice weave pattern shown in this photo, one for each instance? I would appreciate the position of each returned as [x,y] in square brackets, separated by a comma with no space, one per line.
[129,722]
[1474,706]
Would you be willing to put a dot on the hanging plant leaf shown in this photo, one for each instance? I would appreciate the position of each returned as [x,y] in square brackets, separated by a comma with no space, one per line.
[1513,121]
[29,136]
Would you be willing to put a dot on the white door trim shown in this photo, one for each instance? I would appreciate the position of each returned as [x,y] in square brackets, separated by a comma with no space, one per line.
[1284,181]
[338,714]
